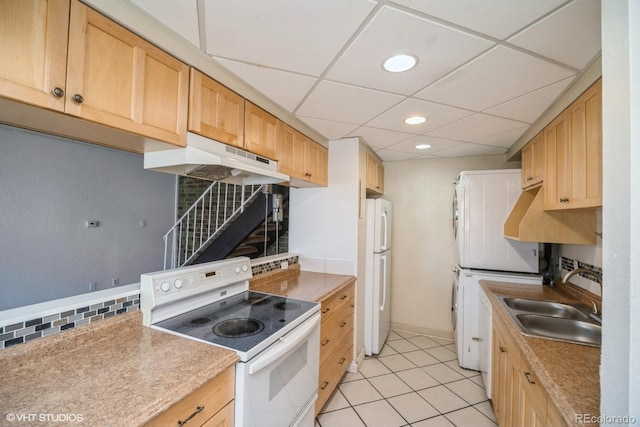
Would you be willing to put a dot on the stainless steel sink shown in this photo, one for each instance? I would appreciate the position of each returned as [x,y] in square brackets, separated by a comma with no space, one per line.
[547,308]
[553,320]
[560,329]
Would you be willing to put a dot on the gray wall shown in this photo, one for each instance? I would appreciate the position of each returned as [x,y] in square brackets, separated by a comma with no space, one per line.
[49,187]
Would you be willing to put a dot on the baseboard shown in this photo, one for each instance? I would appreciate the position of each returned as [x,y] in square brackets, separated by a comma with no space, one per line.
[437,333]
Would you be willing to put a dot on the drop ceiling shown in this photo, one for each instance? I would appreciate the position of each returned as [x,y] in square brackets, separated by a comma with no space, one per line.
[487,69]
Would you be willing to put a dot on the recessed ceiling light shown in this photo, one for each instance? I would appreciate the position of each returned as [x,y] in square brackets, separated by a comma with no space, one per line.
[423,146]
[400,63]
[415,120]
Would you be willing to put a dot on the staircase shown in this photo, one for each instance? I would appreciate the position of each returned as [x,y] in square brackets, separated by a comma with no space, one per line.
[213,212]
[225,221]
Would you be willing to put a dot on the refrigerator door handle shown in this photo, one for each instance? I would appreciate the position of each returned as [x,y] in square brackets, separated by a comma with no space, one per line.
[383,282]
[385,231]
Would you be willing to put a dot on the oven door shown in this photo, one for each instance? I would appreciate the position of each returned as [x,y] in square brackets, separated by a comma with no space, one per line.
[274,388]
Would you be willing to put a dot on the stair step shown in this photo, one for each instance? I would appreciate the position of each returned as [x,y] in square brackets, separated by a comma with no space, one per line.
[243,250]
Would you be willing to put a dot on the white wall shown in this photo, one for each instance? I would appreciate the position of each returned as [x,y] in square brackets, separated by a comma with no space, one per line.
[620,370]
[49,187]
[424,251]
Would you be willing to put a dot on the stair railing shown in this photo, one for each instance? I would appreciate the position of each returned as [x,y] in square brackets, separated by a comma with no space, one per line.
[191,234]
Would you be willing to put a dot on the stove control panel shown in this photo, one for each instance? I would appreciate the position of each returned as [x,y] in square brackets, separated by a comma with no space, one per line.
[164,287]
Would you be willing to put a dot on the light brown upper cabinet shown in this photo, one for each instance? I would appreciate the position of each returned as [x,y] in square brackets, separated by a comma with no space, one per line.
[573,151]
[34,51]
[112,77]
[260,131]
[303,159]
[117,79]
[375,175]
[215,111]
[533,161]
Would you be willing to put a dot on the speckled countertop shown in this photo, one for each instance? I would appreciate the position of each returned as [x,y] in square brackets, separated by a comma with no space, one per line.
[115,372]
[570,373]
[304,285]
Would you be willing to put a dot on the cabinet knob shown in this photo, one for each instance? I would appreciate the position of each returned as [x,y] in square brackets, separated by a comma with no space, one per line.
[58,92]
[502,350]
[78,98]
[530,178]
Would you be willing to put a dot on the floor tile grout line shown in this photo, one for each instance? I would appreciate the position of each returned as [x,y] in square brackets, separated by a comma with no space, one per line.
[395,373]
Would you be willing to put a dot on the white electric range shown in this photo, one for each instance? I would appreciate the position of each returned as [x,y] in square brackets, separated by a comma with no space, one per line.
[276,338]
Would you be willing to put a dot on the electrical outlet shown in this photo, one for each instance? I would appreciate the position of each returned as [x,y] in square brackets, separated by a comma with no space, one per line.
[93,286]
[92,223]
[143,223]
[284,265]
[116,282]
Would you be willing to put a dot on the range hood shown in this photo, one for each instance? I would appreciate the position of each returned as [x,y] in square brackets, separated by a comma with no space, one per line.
[211,160]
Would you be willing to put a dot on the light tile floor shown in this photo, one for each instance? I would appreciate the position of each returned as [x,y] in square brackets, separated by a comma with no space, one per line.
[414,381]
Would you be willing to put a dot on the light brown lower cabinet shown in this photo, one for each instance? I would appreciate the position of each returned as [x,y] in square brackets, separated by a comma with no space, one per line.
[211,405]
[336,340]
[519,400]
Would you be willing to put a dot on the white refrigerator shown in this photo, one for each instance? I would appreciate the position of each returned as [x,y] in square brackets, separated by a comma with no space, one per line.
[377,289]
[482,202]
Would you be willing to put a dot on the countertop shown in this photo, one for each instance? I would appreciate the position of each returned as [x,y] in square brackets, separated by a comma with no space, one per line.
[298,284]
[570,373]
[114,372]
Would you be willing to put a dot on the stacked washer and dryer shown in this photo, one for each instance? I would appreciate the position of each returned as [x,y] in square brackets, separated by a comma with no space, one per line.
[482,202]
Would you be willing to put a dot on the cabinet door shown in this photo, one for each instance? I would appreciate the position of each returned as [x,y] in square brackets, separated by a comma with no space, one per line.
[261,131]
[291,152]
[533,161]
[317,163]
[117,79]
[215,111]
[585,117]
[557,164]
[33,44]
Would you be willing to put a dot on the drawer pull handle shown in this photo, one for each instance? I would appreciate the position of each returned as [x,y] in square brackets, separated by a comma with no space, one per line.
[58,92]
[325,310]
[77,98]
[502,350]
[343,296]
[342,324]
[324,385]
[342,361]
[325,342]
[527,374]
[198,410]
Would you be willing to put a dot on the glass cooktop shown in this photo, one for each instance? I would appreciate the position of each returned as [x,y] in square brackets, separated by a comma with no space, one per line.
[240,322]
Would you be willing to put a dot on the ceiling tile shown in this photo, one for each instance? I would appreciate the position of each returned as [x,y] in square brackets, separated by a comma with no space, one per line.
[476,127]
[344,103]
[497,76]
[504,139]
[497,18]
[181,17]
[527,108]
[567,35]
[285,89]
[437,144]
[329,129]
[379,138]
[298,36]
[392,156]
[470,149]
[439,49]
[437,115]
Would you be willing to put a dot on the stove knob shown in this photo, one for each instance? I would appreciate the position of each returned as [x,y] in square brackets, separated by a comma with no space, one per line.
[165,286]
[178,283]
[244,267]
[237,269]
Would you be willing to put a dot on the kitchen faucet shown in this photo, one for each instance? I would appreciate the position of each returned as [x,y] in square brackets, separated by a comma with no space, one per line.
[597,315]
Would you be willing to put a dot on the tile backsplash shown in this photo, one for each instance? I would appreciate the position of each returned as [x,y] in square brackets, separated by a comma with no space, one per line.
[45,322]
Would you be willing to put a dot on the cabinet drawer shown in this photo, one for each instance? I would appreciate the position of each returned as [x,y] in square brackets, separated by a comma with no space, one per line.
[345,295]
[535,393]
[333,369]
[327,308]
[334,329]
[202,404]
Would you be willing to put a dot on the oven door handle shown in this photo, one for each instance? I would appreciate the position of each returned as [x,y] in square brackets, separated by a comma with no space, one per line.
[285,345]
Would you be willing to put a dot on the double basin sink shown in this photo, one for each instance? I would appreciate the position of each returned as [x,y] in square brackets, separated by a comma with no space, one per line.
[553,320]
